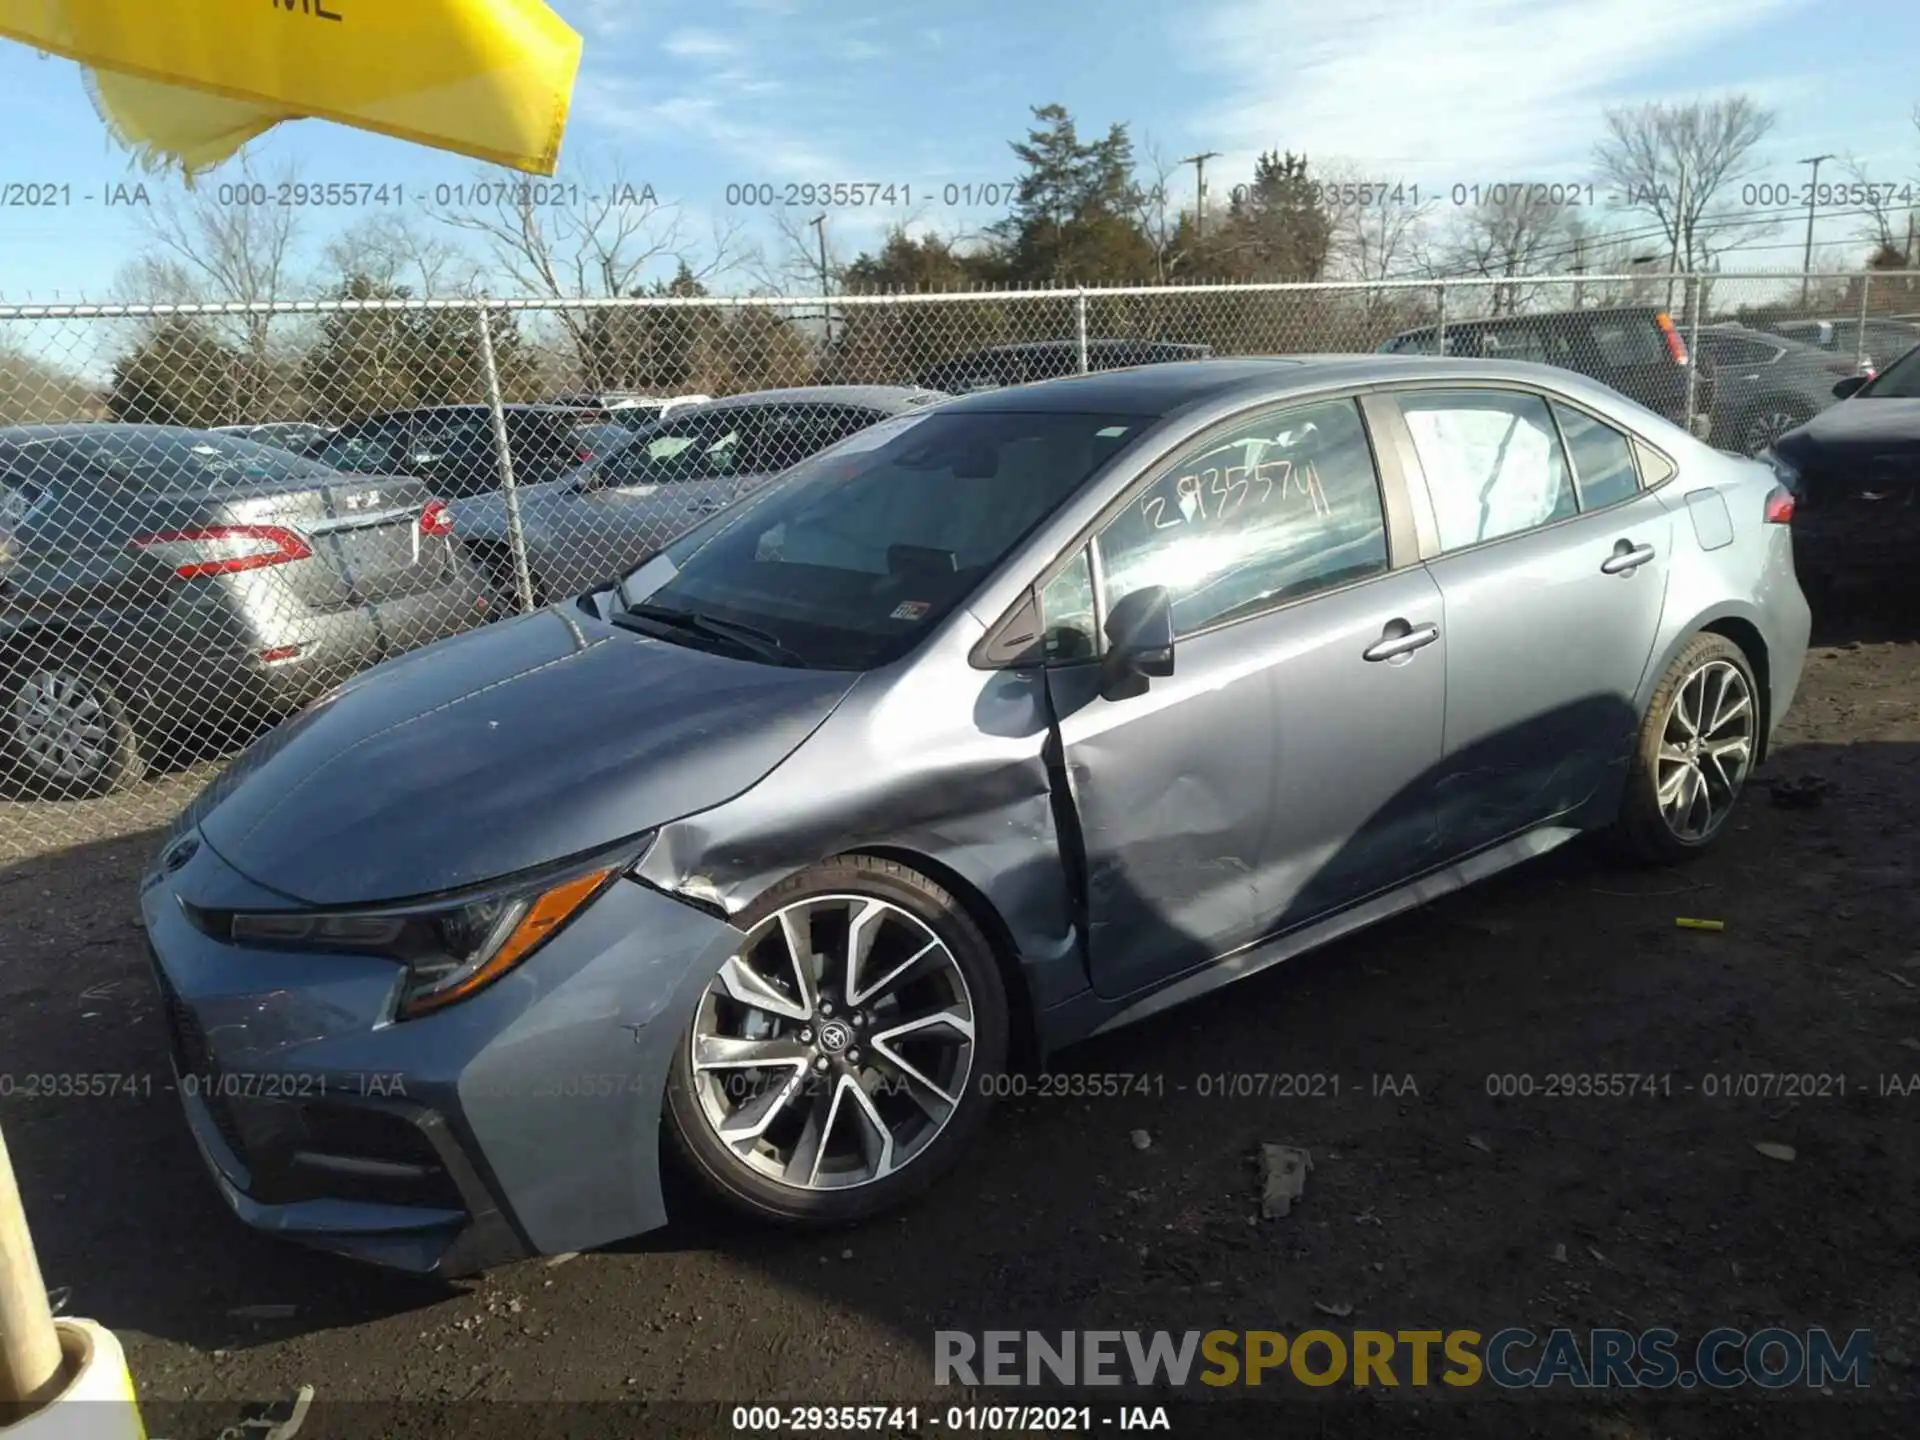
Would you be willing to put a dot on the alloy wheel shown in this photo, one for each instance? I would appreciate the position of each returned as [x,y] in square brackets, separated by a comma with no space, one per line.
[1706,750]
[62,727]
[1768,428]
[835,1046]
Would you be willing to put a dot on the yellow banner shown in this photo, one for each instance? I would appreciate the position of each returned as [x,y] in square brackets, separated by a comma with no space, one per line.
[191,81]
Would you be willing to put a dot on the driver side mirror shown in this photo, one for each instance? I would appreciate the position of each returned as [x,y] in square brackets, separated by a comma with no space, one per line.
[1139,641]
[1849,386]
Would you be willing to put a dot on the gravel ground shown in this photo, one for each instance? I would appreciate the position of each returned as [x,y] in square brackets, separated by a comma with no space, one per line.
[1431,1204]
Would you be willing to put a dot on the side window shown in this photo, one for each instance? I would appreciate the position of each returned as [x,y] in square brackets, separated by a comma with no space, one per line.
[1492,460]
[1520,340]
[372,448]
[1066,613]
[1626,340]
[1602,457]
[1277,509]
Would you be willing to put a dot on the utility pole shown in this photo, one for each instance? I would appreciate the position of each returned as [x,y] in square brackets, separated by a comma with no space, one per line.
[819,223]
[1813,192]
[1679,224]
[1199,163]
[1579,267]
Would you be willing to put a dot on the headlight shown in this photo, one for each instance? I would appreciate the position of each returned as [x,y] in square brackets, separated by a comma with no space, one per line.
[450,950]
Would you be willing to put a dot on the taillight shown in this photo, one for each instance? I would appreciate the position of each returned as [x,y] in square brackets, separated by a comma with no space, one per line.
[224,549]
[1780,506]
[436,519]
[1676,347]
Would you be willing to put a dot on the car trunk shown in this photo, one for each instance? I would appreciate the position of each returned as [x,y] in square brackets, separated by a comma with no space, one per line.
[365,534]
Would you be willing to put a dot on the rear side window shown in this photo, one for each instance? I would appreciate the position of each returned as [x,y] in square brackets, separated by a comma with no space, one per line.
[1492,461]
[1603,467]
[1627,340]
[370,449]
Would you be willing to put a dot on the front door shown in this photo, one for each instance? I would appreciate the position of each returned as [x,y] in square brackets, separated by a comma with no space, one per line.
[1552,564]
[1282,770]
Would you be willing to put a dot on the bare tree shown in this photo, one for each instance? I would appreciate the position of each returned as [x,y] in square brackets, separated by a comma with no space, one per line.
[1677,164]
[1156,213]
[1380,230]
[596,236]
[213,244]
[1512,236]
[395,252]
[787,261]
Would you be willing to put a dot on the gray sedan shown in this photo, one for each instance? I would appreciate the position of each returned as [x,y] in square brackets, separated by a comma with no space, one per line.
[610,514]
[997,725]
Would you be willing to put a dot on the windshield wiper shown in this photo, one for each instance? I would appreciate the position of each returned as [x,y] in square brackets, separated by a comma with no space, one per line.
[761,643]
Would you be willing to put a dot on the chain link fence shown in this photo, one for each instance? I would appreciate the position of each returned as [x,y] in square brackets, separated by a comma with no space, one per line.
[212,515]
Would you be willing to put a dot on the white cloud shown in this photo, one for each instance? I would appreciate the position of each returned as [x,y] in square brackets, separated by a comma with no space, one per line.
[601,20]
[715,118]
[694,44]
[1476,90]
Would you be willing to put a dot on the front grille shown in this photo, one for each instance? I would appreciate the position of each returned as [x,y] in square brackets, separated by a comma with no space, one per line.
[193,1059]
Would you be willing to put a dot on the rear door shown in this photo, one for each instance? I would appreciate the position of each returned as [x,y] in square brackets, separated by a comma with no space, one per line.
[1552,564]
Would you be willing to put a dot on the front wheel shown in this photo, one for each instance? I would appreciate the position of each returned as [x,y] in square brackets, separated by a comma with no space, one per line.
[1698,745]
[838,1063]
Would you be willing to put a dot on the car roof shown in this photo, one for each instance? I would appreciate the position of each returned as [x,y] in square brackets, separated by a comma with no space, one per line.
[85,429]
[877,397]
[1644,312]
[1163,390]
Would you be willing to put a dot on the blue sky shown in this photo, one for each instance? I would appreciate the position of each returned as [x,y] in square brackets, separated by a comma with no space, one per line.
[691,97]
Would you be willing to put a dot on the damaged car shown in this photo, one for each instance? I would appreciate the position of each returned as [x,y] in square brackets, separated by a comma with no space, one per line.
[993,726]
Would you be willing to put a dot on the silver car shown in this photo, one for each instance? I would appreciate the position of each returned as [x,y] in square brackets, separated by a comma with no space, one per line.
[607,516]
[994,726]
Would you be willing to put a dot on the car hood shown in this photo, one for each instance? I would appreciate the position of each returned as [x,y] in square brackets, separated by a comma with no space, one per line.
[498,750]
[1856,429]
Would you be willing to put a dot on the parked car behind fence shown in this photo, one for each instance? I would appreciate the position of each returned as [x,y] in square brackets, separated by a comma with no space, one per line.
[612,512]
[156,580]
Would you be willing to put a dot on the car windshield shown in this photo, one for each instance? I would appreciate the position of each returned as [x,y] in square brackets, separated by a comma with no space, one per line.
[189,460]
[1899,381]
[854,554]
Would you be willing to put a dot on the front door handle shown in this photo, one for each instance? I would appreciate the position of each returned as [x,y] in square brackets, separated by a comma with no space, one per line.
[707,507]
[1626,558]
[1400,638]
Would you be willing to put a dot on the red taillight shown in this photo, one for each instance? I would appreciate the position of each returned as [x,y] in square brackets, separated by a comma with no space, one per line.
[224,549]
[1676,347]
[1780,506]
[436,519]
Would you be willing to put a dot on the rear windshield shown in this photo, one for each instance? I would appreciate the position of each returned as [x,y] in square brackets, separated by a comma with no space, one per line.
[187,460]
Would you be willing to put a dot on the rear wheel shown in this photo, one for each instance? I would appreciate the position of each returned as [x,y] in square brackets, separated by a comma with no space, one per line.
[66,732]
[838,1064]
[1698,745]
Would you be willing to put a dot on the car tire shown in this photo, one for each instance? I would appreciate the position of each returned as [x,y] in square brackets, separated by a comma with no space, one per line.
[766,1176]
[37,693]
[504,601]
[1689,771]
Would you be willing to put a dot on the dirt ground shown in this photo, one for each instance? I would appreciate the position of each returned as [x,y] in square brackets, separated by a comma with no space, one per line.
[1431,1204]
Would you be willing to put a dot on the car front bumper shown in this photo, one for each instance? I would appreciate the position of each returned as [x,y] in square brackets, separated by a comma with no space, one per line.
[524,1120]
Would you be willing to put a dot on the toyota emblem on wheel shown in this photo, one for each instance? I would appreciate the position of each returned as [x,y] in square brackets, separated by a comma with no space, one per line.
[834,1037]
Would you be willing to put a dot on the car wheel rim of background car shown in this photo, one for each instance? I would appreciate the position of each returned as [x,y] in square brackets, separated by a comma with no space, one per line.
[1769,428]
[1706,750]
[62,726]
[836,1045]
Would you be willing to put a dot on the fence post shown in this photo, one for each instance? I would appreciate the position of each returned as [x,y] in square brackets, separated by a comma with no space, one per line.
[516,536]
[1440,328]
[1860,340]
[1696,302]
[1080,325]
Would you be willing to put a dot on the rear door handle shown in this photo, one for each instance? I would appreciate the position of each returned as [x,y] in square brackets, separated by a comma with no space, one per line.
[1400,638]
[1626,558]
